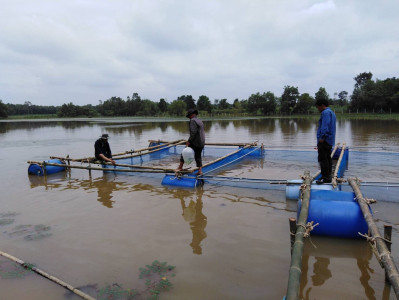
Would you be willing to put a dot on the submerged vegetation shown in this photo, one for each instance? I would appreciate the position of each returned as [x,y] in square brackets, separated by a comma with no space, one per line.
[156,278]
[369,96]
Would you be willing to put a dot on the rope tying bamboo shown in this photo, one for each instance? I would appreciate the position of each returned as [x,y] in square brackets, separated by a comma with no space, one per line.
[373,239]
[366,200]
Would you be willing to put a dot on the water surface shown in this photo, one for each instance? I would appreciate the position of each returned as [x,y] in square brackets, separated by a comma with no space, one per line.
[225,242]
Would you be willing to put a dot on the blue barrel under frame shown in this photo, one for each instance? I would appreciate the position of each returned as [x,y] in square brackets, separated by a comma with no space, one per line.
[292,189]
[338,214]
[36,169]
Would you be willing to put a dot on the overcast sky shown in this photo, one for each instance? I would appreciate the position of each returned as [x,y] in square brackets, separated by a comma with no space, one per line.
[81,51]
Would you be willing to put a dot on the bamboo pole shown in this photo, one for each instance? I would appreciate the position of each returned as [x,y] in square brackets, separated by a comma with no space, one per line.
[149,148]
[383,251]
[215,144]
[341,155]
[294,278]
[151,151]
[110,169]
[138,152]
[46,275]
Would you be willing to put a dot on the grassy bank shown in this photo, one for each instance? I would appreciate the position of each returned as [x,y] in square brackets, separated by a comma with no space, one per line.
[344,116]
[24,117]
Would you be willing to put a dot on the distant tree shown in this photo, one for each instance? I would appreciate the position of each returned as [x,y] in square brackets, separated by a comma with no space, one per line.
[289,99]
[148,108]
[115,106]
[68,110]
[190,102]
[223,104]
[264,104]
[237,104]
[3,110]
[177,108]
[134,105]
[342,98]
[305,102]
[362,79]
[244,104]
[162,105]
[322,94]
[394,103]
[255,102]
[203,103]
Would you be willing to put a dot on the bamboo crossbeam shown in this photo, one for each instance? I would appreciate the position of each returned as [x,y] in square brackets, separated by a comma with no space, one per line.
[148,148]
[148,170]
[50,277]
[215,144]
[383,251]
[294,278]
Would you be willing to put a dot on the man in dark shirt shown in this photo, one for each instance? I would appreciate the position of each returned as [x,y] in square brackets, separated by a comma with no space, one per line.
[196,141]
[102,150]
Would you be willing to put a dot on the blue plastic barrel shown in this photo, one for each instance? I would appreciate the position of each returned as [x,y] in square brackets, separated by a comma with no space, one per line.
[331,195]
[293,186]
[38,170]
[337,213]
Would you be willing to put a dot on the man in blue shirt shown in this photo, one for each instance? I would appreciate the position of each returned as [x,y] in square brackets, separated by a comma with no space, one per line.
[325,139]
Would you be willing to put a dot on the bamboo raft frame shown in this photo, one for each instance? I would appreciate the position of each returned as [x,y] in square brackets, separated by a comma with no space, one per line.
[136,153]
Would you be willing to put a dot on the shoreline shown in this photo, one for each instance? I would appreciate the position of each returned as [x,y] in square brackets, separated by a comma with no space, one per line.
[344,116]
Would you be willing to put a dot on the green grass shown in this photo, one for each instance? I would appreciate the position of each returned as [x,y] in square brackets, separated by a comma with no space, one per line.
[340,115]
[24,117]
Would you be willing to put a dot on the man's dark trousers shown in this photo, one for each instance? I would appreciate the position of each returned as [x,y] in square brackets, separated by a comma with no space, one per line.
[324,158]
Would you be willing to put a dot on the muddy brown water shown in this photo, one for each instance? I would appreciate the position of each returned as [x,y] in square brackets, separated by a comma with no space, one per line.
[225,242]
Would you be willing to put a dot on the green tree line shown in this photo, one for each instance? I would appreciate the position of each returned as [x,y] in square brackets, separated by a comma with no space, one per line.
[368,96]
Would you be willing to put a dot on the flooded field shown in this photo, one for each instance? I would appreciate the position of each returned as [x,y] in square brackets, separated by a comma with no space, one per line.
[120,236]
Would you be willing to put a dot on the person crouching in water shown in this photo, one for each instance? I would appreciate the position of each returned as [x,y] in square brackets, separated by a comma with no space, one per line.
[196,141]
[102,150]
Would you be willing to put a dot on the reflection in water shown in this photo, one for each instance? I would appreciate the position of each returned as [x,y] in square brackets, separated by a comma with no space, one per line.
[104,185]
[49,182]
[104,191]
[324,252]
[192,213]
[320,271]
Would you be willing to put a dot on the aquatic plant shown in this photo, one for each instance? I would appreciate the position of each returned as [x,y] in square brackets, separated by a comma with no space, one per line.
[156,278]
[115,291]
[156,281]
